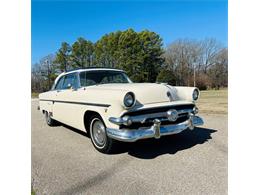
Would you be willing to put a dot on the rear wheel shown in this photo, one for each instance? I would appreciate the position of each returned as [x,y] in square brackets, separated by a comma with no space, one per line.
[99,137]
[49,120]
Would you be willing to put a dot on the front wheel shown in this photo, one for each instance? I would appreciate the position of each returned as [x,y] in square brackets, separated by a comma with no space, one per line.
[99,137]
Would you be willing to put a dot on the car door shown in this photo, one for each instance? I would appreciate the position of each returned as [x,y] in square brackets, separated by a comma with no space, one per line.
[64,106]
[56,89]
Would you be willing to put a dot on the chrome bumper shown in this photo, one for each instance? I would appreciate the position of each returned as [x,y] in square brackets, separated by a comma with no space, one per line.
[156,131]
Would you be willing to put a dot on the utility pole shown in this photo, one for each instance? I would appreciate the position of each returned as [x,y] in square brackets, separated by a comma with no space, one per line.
[194,75]
[48,73]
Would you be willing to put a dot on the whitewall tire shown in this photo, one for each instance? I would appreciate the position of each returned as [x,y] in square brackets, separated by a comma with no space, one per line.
[98,135]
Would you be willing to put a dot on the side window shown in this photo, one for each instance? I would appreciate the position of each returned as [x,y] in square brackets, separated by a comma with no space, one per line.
[59,83]
[114,78]
[83,80]
[86,79]
[70,80]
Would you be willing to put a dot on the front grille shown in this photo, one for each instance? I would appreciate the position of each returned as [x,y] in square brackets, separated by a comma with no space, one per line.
[164,121]
[150,123]
[159,109]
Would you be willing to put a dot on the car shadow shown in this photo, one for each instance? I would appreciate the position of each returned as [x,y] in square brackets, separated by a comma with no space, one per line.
[75,130]
[151,148]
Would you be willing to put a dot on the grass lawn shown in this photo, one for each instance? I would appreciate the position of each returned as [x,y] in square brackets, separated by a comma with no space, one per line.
[34,95]
[213,102]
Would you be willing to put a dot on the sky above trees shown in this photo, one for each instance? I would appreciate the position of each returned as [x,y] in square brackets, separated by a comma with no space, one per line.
[56,21]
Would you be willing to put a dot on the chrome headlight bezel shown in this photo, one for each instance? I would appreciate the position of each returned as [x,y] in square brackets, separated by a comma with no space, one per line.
[129,100]
[195,94]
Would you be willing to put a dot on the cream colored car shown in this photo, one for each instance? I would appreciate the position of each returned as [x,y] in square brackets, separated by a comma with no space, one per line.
[110,107]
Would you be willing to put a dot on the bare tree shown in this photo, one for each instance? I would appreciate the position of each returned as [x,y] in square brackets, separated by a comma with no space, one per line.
[48,68]
[198,63]
[210,48]
[36,78]
[219,71]
[182,58]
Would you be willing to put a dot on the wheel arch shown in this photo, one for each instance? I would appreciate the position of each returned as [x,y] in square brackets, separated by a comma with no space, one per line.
[87,117]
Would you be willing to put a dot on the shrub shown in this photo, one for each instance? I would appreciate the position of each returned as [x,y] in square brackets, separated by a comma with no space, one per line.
[203,81]
[166,76]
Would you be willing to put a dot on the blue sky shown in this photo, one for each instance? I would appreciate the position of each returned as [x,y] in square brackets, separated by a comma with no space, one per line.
[56,21]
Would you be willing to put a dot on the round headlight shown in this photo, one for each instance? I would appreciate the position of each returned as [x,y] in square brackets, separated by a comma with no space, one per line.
[195,94]
[129,99]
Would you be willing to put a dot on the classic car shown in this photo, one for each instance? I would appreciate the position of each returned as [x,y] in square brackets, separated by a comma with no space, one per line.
[107,105]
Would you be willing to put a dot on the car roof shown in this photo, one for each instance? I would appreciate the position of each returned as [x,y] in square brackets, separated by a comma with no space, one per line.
[87,69]
[92,69]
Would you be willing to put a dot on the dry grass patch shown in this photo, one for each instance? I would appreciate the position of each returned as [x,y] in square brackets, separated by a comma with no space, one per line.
[213,102]
[34,95]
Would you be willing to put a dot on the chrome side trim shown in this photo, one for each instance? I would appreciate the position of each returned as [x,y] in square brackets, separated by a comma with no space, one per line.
[82,103]
[132,135]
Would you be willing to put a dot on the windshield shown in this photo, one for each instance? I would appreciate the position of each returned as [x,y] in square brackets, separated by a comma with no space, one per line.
[88,78]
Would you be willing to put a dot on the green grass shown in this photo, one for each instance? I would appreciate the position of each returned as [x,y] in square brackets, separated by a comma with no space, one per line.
[34,95]
[33,191]
[213,102]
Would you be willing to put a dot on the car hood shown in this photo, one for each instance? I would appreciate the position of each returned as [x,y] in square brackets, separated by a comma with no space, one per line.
[145,93]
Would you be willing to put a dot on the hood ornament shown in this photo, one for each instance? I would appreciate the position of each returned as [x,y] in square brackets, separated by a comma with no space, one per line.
[169,95]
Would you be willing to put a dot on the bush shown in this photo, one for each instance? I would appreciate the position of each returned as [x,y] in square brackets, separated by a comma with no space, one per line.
[203,81]
[166,76]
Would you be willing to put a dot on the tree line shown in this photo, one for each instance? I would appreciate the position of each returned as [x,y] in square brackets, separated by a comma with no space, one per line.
[201,63]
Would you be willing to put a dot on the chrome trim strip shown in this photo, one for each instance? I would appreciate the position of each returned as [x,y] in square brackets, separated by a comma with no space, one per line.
[132,135]
[82,103]
[170,105]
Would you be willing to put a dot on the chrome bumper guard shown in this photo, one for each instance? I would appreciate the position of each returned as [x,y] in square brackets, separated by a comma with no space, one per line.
[155,131]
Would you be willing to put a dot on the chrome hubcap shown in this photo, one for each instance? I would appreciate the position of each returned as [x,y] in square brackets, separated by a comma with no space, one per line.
[99,133]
